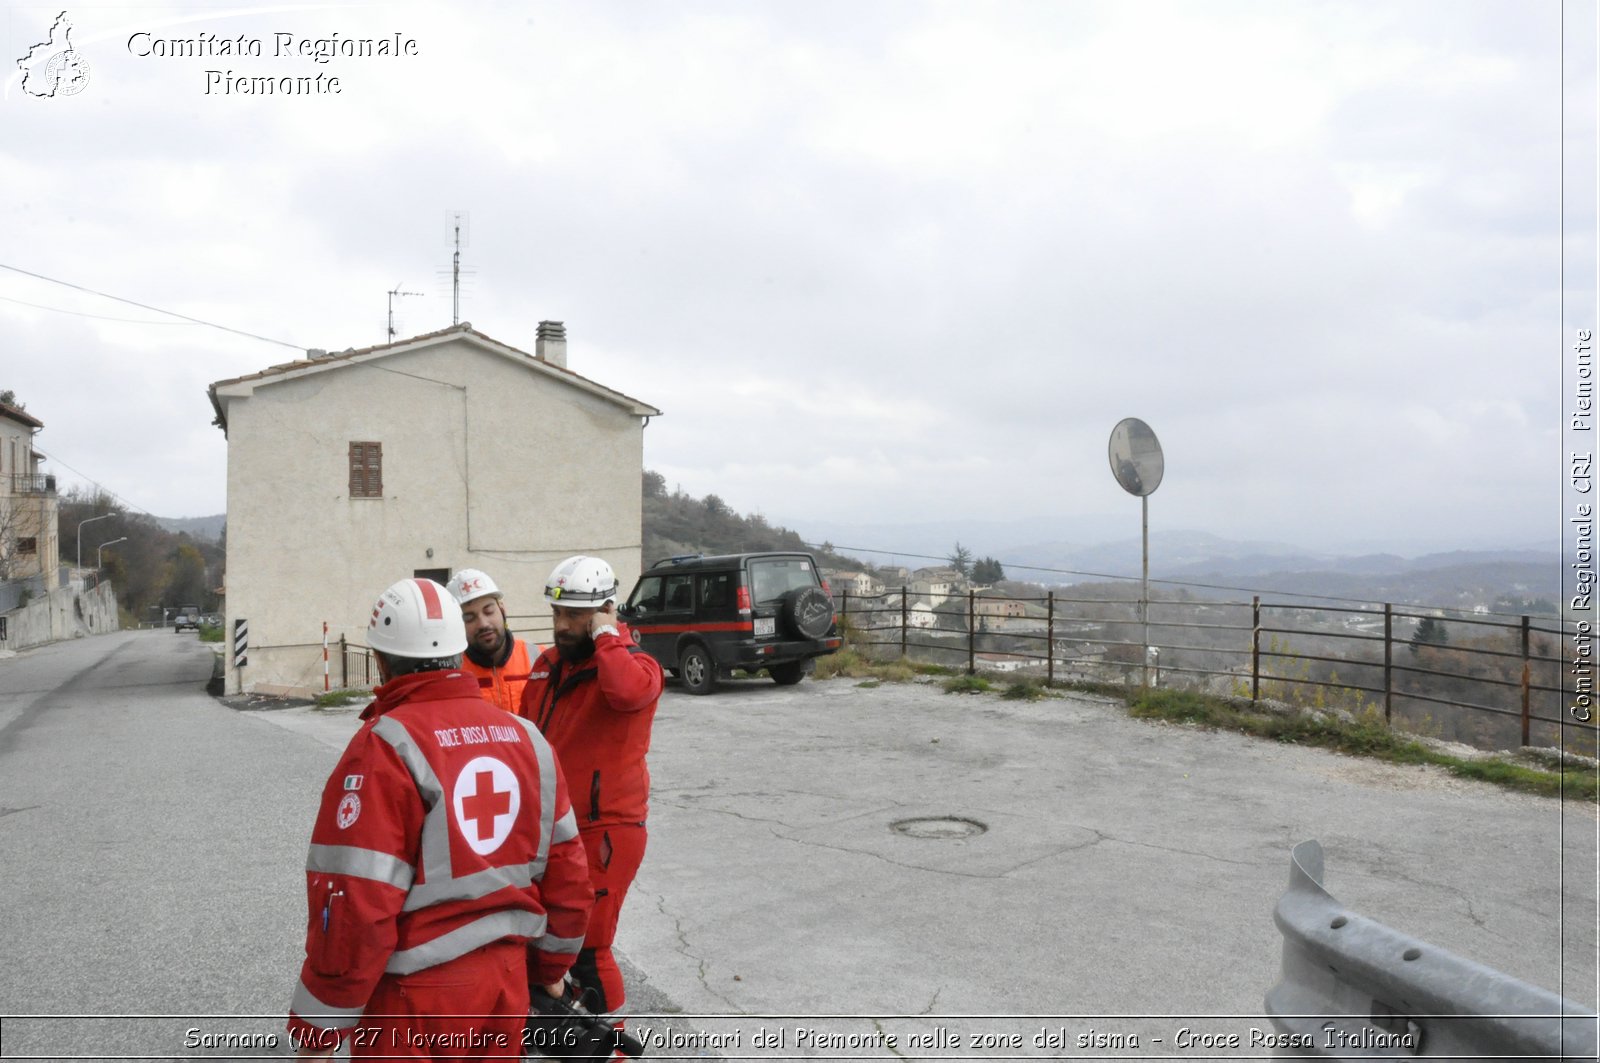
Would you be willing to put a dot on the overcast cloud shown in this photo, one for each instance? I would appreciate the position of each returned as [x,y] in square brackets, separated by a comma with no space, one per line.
[891,261]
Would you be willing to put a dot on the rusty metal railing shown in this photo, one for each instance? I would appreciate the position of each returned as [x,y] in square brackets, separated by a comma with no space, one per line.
[1497,680]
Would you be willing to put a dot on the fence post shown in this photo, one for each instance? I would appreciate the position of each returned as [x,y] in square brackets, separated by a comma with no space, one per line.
[1255,647]
[1527,681]
[905,610]
[344,666]
[972,633]
[844,605]
[1050,637]
[1388,661]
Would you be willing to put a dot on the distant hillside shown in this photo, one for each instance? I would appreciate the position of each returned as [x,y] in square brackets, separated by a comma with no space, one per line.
[207,528]
[678,523]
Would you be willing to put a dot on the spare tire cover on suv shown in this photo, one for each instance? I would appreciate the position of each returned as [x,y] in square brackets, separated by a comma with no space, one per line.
[807,612]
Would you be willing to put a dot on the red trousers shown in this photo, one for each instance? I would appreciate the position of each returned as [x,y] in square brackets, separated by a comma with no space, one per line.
[473,1008]
[614,857]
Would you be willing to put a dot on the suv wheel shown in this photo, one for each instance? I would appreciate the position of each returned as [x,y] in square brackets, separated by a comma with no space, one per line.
[789,673]
[808,612]
[697,669]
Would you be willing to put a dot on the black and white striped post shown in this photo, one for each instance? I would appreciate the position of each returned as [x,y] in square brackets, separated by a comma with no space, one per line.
[241,643]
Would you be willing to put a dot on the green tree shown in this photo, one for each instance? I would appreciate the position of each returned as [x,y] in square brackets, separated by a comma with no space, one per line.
[1430,632]
[655,485]
[187,583]
[9,398]
[988,570]
[961,560]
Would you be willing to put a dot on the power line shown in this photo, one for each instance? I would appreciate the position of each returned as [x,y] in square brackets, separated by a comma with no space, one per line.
[97,484]
[147,306]
[97,317]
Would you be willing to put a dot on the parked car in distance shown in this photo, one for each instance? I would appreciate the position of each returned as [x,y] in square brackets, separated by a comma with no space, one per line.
[188,617]
[702,617]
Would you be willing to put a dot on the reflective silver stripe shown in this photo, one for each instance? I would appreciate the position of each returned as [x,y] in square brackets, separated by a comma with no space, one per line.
[359,863]
[436,824]
[322,1016]
[547,796]
[464,939]
[550,943]
[566,828]
[469,887]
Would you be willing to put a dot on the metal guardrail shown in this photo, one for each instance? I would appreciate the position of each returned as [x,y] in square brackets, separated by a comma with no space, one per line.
[1353,987]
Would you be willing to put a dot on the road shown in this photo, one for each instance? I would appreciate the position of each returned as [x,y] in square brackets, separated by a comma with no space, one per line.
[1083,865]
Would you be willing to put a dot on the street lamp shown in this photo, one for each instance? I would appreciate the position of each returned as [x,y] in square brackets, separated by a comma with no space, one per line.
[81,523]
[102,546]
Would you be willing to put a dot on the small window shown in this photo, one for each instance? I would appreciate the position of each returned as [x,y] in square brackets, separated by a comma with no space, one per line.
[366,470]
[680,593]
[716,590]
[29,545]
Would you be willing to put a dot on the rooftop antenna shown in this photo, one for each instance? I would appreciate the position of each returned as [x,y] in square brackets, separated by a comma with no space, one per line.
[461,235]
[392,293]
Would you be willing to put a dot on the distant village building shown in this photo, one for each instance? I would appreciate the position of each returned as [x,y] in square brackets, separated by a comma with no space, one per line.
[935,584]
[29,545]
[451,450]
[999,607]
[856,584]
[1005,662]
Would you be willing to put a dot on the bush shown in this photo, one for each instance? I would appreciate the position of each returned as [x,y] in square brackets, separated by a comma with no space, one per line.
[967,684]
[344,696]
[1024,690]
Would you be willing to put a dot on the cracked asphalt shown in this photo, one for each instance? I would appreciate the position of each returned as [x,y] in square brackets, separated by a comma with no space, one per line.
[1125,868]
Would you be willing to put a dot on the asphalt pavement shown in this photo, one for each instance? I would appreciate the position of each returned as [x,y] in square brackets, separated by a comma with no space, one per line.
[848,870]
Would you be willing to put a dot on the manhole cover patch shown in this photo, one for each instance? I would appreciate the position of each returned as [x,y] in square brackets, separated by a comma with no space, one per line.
[938,827]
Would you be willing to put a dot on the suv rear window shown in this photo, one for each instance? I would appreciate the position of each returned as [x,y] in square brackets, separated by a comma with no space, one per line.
[772,578]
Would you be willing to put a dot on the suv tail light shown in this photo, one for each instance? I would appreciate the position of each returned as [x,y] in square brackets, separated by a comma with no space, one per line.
[825,589]
[743,598]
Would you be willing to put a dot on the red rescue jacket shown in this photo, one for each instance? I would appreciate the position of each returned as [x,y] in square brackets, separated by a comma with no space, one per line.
[597,715]
[444,827]
[502,684]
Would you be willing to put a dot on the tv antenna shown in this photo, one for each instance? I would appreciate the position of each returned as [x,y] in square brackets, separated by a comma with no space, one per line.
[392,293]
[461,235]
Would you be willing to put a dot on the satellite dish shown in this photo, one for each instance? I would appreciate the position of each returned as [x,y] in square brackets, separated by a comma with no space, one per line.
[1136,459]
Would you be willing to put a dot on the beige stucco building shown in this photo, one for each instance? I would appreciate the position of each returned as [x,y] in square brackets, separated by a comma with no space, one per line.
[351,470]
[29,541]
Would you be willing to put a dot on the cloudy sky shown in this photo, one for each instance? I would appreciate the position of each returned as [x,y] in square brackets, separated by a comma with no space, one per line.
[875,261]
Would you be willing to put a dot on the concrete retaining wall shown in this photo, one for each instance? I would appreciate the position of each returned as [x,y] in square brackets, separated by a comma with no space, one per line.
[71,612]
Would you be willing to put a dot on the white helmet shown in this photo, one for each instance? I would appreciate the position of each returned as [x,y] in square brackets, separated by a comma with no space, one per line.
[469,585]
[411,620]
[581,583]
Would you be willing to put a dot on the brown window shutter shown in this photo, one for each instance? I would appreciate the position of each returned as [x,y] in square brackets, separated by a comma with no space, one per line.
[366,470]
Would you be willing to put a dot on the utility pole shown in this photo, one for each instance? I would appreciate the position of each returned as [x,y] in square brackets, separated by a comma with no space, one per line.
[392,293]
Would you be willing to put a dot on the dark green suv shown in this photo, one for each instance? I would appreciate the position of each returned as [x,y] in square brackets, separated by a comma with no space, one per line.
[702,617]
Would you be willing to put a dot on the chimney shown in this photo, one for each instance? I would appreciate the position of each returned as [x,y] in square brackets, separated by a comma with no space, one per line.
[551,343]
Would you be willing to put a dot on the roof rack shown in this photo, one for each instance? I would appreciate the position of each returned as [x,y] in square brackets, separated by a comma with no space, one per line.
[677,560]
